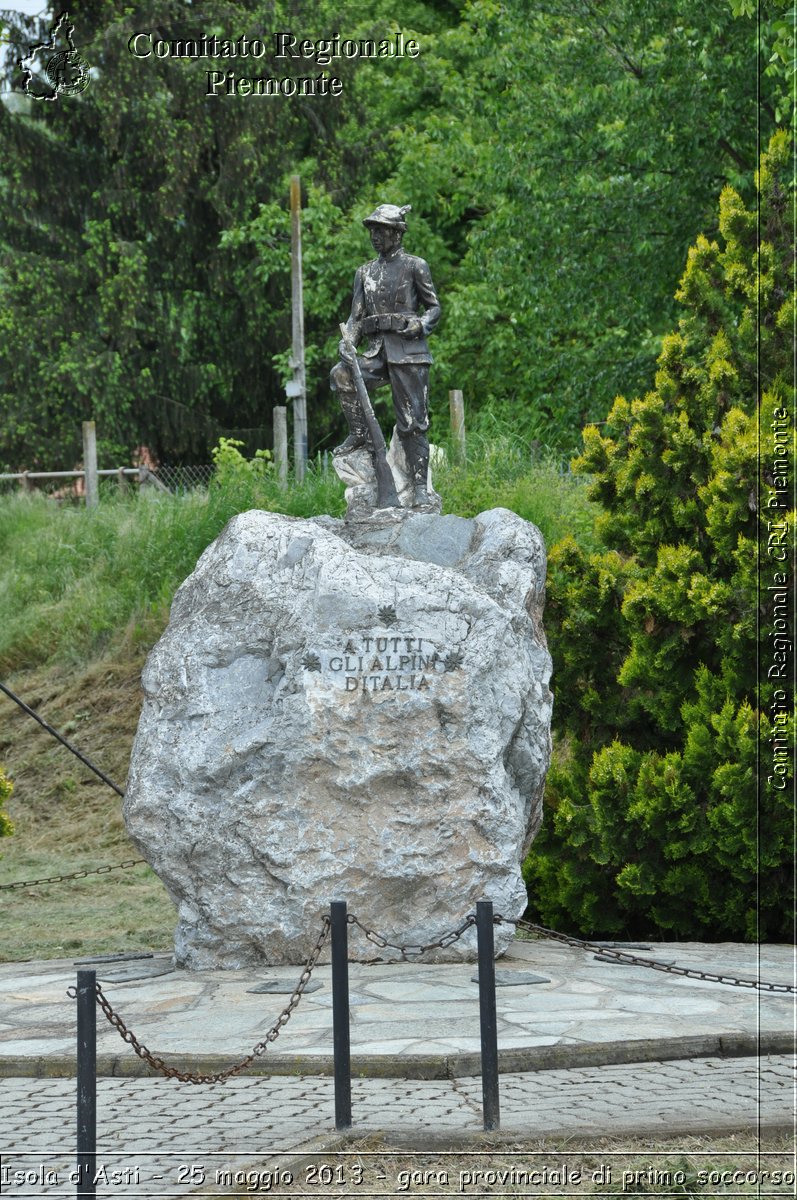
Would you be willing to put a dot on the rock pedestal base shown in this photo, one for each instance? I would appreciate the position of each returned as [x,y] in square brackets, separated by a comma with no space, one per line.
[345,711]
[356,470]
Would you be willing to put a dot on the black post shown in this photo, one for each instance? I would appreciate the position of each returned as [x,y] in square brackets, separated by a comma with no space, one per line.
[340,1014]
[86,1081]
[487,1014]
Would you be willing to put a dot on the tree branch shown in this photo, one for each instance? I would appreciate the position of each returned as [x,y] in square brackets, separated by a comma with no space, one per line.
[740,161]
[617,49]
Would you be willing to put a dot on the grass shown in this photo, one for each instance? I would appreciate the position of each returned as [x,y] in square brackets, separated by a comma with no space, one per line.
[598,1167]
[75,584]
[66,819]
[82,598]
[501,473]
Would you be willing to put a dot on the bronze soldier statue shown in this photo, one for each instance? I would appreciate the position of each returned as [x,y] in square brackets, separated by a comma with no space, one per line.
[388,293]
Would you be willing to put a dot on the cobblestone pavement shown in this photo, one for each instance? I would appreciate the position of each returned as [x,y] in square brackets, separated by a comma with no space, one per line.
[157,1137]
[557,997]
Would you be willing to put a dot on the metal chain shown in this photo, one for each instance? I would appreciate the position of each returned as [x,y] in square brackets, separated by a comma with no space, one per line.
[60,737]
[446,939]
[635,961]
[158,1064]
[22,883]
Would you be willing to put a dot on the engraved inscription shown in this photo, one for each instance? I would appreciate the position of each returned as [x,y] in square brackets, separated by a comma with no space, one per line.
[375,663]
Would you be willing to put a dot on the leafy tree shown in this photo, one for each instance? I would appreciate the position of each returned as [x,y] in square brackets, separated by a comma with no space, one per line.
[558,162]
[772,35]
[114,210]
[656,823]
[600,175]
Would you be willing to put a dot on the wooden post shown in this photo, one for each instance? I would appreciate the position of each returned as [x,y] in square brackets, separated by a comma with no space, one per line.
[90,463]
[120,479]
[457,407]
[281,443]
[27,486]
[299,389]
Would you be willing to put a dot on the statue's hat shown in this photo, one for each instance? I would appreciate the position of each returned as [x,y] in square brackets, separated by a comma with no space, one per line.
[389,214]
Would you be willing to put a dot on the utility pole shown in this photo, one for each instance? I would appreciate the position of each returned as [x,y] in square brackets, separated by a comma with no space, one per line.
[297,388]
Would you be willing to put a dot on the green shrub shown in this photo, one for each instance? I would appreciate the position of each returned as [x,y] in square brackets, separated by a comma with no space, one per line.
[660,819]
[6,788]
[231,466]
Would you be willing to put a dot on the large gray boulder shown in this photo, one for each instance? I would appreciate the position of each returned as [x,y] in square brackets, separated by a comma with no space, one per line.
[345,711]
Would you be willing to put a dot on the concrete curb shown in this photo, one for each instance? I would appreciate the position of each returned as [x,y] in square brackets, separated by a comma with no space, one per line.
[427,1066]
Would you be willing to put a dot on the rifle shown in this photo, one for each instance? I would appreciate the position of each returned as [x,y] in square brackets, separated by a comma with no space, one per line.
[386,494]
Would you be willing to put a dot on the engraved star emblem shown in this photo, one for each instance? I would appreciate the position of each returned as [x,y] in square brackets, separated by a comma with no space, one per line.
[454,660]
[387,615]
[311,662]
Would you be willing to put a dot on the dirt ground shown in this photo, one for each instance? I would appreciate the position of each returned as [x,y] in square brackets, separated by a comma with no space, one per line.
[741,1164]
[66,819]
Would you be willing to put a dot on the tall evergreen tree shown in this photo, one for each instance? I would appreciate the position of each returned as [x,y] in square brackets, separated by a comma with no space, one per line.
[669,802]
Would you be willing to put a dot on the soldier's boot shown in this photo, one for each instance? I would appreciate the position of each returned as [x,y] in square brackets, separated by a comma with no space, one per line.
[416,448]
[358,430]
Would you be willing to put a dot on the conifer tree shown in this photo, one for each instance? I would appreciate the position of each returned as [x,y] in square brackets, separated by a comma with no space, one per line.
[669,800]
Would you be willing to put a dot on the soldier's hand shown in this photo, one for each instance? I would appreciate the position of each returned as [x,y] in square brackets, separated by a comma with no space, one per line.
[346,351]
[414,327]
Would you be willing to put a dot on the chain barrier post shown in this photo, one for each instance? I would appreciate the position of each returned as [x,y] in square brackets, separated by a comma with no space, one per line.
[86,1082]
[487,1015]
[340,1013]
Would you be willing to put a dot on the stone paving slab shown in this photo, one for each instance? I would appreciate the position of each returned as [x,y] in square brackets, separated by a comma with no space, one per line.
[158,1136]
[416,1019]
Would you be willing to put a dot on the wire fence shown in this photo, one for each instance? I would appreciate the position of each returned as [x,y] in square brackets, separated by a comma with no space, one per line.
[340,920]
[69,486]
[179,479]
